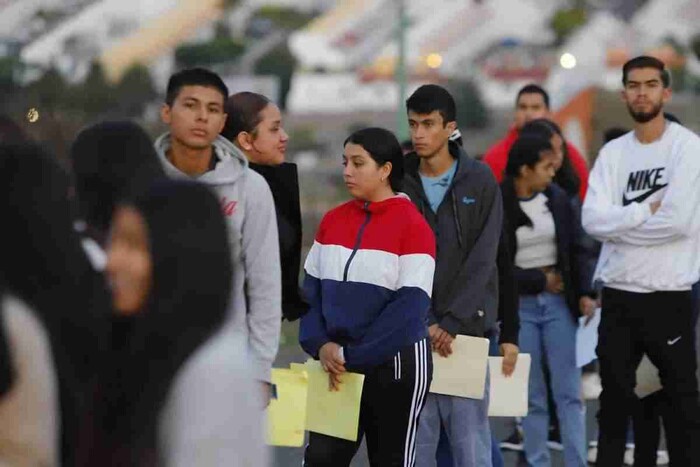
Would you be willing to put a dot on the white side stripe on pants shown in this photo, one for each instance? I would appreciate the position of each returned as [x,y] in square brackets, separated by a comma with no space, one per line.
[419,390]
[423,391]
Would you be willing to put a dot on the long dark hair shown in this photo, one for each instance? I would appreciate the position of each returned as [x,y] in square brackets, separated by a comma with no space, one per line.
[110,161]
[192,276]
[566,177]
[43,263]
[383,147]
[243,110]
[526,151]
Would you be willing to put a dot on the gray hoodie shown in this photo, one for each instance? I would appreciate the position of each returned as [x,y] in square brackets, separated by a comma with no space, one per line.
[249,210]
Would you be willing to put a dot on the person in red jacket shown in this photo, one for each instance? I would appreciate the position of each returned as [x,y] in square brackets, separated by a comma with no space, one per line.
[532,103]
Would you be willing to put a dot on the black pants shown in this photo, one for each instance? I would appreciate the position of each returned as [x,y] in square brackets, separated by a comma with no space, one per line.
[647,428]
[660,325]
[392,398]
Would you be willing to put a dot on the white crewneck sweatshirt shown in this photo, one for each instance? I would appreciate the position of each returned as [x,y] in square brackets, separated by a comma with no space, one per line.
[644,252]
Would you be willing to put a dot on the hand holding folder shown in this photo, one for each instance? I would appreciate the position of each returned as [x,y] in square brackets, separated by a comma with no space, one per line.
[508,396]
[463,373]
[333,413]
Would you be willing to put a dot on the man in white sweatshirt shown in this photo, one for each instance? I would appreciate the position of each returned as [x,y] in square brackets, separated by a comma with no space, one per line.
[193,149]
[643,203]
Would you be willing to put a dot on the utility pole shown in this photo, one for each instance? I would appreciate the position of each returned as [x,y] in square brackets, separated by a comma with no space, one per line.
[400,71]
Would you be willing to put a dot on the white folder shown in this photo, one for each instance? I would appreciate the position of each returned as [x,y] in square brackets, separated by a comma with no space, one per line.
[508,395]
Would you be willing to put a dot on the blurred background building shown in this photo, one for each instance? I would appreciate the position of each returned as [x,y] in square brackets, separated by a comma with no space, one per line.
[335,65]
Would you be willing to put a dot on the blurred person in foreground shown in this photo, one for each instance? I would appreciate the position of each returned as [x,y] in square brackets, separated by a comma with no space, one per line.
[460,200]
[254,125]
[643,205]
[192,149]
[54,313]
[11,132]
[110,161]
[175,389]
[554,283]
[369,277]
[532,103]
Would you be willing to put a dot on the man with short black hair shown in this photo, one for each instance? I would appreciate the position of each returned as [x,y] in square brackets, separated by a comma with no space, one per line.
[460,199]
[193,149]
[643,204]
[532,103]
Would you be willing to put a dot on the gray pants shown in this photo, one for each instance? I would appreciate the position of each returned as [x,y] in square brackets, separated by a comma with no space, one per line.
[467,426]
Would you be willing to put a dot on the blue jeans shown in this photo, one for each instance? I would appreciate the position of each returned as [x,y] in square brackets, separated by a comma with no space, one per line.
[444,455]
[548,332]
[466,425]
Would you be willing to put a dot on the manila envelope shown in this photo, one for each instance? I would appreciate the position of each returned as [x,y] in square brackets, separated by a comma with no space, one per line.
[333,413]
[508,395]
[286,414]
[463,373]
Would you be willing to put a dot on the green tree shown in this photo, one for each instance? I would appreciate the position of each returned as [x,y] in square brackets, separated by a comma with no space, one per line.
[566,21]
[9,68]
[284,18]
[471,111]
[695,45]
[135,91]
[95,96]
[49,91]
[281,63]
[219,50]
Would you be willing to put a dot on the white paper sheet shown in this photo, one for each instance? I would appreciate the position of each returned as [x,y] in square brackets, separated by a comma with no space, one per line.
[587,339]
[463,373]
[648,381]
[508,395]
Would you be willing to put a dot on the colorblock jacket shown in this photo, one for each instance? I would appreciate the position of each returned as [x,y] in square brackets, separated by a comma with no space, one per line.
[369,278]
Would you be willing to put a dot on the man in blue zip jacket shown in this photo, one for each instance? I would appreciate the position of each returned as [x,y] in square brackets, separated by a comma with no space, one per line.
[461,200]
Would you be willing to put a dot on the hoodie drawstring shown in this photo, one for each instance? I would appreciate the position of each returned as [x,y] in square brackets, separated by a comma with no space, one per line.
[455,215]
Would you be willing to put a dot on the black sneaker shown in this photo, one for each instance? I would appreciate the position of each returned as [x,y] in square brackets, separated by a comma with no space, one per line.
[514,442]
[554,441]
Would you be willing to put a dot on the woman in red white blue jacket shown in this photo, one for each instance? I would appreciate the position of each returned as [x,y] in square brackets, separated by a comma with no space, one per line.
[369,278]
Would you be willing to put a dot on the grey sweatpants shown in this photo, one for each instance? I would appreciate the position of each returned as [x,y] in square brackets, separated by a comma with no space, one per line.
[467,426]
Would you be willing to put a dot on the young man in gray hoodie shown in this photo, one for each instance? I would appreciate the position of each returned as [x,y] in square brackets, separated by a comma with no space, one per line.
[193,149]
[460,199]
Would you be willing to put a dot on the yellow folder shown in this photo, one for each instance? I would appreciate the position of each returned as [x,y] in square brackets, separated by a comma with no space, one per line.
[286,415]
[463,373]
[334,413]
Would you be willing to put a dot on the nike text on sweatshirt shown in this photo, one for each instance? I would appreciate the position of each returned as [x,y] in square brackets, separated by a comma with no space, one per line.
[645,252]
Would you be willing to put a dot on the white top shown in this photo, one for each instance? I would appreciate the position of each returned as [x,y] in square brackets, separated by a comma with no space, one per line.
[643,252]
[29,412]
[214,413]
[537,245]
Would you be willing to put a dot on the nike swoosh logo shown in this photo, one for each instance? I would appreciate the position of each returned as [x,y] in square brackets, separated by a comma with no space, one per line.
[643,196]
[673,341]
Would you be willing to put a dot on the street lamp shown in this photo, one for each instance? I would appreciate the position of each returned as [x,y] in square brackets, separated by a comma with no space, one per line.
[401,79]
